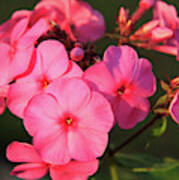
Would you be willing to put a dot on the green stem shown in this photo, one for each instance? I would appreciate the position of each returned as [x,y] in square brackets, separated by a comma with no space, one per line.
[113,171]
[134,136]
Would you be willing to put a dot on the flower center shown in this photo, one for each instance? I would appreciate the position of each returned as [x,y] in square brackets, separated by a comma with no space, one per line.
[44,83]
[69,121]
[121,90]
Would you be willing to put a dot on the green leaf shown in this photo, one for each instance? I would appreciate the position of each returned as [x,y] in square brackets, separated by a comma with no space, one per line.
[161,101]
[164,86]
[161,127]
[161,111]
[166,165]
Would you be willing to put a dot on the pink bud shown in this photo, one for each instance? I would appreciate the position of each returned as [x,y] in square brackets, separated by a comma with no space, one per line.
[77,54]
[147,3]
[123,16]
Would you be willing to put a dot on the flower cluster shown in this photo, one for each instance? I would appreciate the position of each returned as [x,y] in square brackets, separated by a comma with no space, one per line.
[69,99]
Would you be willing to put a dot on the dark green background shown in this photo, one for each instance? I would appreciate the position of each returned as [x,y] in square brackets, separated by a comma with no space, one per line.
[164,66]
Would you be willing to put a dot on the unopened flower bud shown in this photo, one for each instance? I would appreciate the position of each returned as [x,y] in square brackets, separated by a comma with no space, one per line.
[77,54]
[123,16]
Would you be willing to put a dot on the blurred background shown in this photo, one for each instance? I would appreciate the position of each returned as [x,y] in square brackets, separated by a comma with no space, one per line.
[164,66]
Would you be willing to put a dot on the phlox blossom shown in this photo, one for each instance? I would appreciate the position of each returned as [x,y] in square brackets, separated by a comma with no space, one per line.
[69,121]
[174,108]
[76,18]
[35,168]
[51,63]
[126,81]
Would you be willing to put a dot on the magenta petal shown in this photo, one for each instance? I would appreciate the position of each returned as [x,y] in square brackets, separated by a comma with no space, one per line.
[52,58]
[30,171]
[130,110]
[74,170]
[22,152]
[174,108]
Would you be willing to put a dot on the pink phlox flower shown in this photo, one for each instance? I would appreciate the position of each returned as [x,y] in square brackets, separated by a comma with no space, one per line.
[69,121]
[174,108]
[18,52]
[35,168]
[51,63]
[126,81]
[77,18]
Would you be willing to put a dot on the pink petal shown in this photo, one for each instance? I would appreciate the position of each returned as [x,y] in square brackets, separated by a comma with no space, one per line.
[161,34]
[19,95]
[52,145]
[130,110]
[73,70]
[22,152]
[167,14]
[52,58]
[86,144]
[38,117]
[30,171]
[74,170]
[19,29]
[122,62]
[95,78]
[174,108]
[2,105]
[5,72]
[72,93]
[42,123]
[97,115]
[21,61]
[30,37]
[144,80]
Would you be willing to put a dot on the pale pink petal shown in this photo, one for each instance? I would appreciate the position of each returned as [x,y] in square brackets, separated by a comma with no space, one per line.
[2,105]
[74,170]
[19,95]
[42,112]
[30,171]
[72,94]
[144,80]
[130,110]
[174,108]
[52,58]
[19,29]
[22,152]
